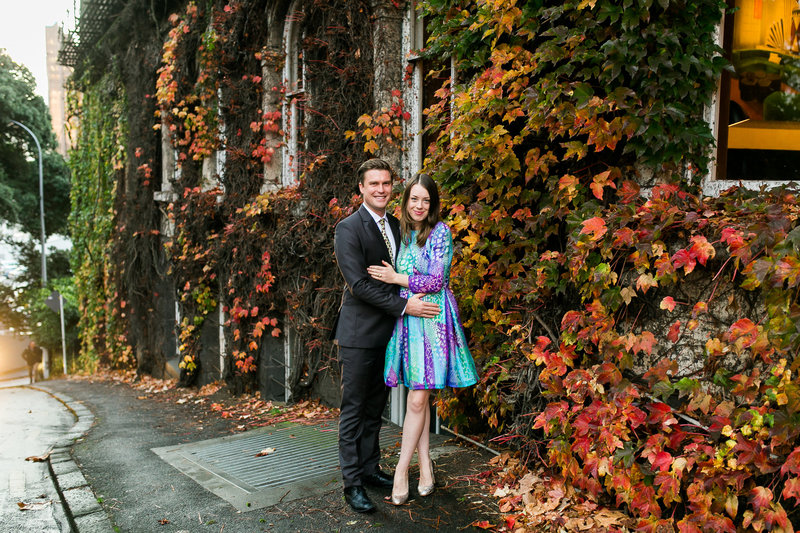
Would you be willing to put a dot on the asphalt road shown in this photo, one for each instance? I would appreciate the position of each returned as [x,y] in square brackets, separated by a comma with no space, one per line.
[31,420]
[142,493]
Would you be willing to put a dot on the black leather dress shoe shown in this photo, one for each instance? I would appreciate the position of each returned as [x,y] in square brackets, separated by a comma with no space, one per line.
[379,479]
[358,500]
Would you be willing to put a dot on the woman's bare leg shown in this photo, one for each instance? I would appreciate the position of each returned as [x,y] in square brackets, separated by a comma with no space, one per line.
[424,452]
[416,409]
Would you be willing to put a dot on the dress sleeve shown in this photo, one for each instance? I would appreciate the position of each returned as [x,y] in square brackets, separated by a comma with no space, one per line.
[440,251]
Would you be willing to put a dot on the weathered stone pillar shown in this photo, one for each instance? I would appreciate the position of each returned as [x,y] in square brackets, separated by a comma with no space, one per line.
[387,36]
[272,78]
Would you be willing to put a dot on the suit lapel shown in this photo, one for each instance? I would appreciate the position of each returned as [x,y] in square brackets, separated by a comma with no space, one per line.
[372,230]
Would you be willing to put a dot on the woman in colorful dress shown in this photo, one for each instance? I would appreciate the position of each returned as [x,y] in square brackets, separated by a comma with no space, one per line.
[424,354]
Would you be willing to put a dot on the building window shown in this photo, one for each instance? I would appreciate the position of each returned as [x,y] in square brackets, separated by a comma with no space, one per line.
[759,106]
[294,96]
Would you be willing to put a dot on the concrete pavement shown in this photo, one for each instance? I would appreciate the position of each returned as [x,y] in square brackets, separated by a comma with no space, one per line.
[31,423]
[115,465]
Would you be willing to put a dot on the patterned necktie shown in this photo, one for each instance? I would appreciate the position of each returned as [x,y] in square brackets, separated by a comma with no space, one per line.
[386,237]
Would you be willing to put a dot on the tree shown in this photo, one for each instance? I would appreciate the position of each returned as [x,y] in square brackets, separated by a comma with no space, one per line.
[22,296]
[19,175]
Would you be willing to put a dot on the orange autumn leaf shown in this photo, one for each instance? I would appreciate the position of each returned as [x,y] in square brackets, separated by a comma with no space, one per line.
[701,249]
[595,226]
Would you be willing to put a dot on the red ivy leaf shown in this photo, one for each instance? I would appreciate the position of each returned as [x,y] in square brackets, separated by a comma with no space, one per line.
[674,331]
[761,497]
[792,489]
[792,463]
[682,258]
[701,249]
[662,461]
[596,226]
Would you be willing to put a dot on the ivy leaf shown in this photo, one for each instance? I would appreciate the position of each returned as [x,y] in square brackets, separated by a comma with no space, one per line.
[732,505]
[595,226]
[701,249]
[629,191]
[663,389]
[674,331]
[792,463]
[792,489]
[582,92]
[627,295]
[668,303]
[646,281]
[760,497]
[682,258]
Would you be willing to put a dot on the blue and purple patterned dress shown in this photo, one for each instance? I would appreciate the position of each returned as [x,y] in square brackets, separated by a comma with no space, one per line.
[429,353]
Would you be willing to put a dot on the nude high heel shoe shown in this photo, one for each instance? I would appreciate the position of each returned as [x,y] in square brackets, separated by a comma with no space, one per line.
[427,490]
[399,499]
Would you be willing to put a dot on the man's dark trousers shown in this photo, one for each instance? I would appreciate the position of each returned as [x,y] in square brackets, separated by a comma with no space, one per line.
[360,417]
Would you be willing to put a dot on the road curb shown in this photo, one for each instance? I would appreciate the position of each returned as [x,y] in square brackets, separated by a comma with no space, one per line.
[81,507]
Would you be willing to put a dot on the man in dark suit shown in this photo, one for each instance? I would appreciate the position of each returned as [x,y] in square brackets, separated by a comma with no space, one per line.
[366,320]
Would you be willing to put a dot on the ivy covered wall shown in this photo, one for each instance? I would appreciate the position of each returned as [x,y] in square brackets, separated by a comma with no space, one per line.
[637,335]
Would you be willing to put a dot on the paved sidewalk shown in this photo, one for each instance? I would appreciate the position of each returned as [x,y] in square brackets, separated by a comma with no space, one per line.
[112,478]
[83,511]
[30,421]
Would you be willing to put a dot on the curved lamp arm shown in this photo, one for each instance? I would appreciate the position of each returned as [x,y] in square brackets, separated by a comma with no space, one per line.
[41,198]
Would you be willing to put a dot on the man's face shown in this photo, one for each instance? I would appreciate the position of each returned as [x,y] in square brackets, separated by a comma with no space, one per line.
[376,188]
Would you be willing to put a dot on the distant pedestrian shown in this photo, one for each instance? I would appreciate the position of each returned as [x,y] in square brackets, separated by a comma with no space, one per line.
[366,317]
[33,356]
[426,353]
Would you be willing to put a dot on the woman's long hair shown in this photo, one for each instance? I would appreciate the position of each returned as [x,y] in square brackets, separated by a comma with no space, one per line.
[434,216]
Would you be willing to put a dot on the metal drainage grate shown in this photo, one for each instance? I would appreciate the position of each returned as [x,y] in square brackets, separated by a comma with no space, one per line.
[305,462]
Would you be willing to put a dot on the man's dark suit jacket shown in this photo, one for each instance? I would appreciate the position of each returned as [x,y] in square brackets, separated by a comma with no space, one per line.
[369,307]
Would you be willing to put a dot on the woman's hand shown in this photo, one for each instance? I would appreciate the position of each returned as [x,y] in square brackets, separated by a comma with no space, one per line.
[383,273]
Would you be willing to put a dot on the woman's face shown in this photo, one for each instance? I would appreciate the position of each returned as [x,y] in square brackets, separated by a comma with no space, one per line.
[419,203]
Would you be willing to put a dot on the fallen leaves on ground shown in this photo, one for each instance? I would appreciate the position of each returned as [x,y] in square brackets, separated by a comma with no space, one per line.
[248,409]
[33,506]
[537,501]
[265,451]
[39,458]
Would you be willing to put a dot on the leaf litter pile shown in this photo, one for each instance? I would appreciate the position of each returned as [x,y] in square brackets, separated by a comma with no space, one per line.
[526,500]
[248,410]
[535,501]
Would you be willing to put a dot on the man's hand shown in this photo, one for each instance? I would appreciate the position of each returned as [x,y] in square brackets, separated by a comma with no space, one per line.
[416,307]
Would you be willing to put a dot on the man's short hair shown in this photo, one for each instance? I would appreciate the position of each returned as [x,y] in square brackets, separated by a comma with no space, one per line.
[376,163]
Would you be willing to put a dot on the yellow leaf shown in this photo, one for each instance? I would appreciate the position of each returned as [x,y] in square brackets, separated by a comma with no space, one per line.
[472,238]
[627,294]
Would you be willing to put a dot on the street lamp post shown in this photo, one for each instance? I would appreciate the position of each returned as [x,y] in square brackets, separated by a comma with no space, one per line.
[41,198]
[45,357]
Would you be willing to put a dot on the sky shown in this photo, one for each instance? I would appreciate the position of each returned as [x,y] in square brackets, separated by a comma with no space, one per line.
[22,32]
